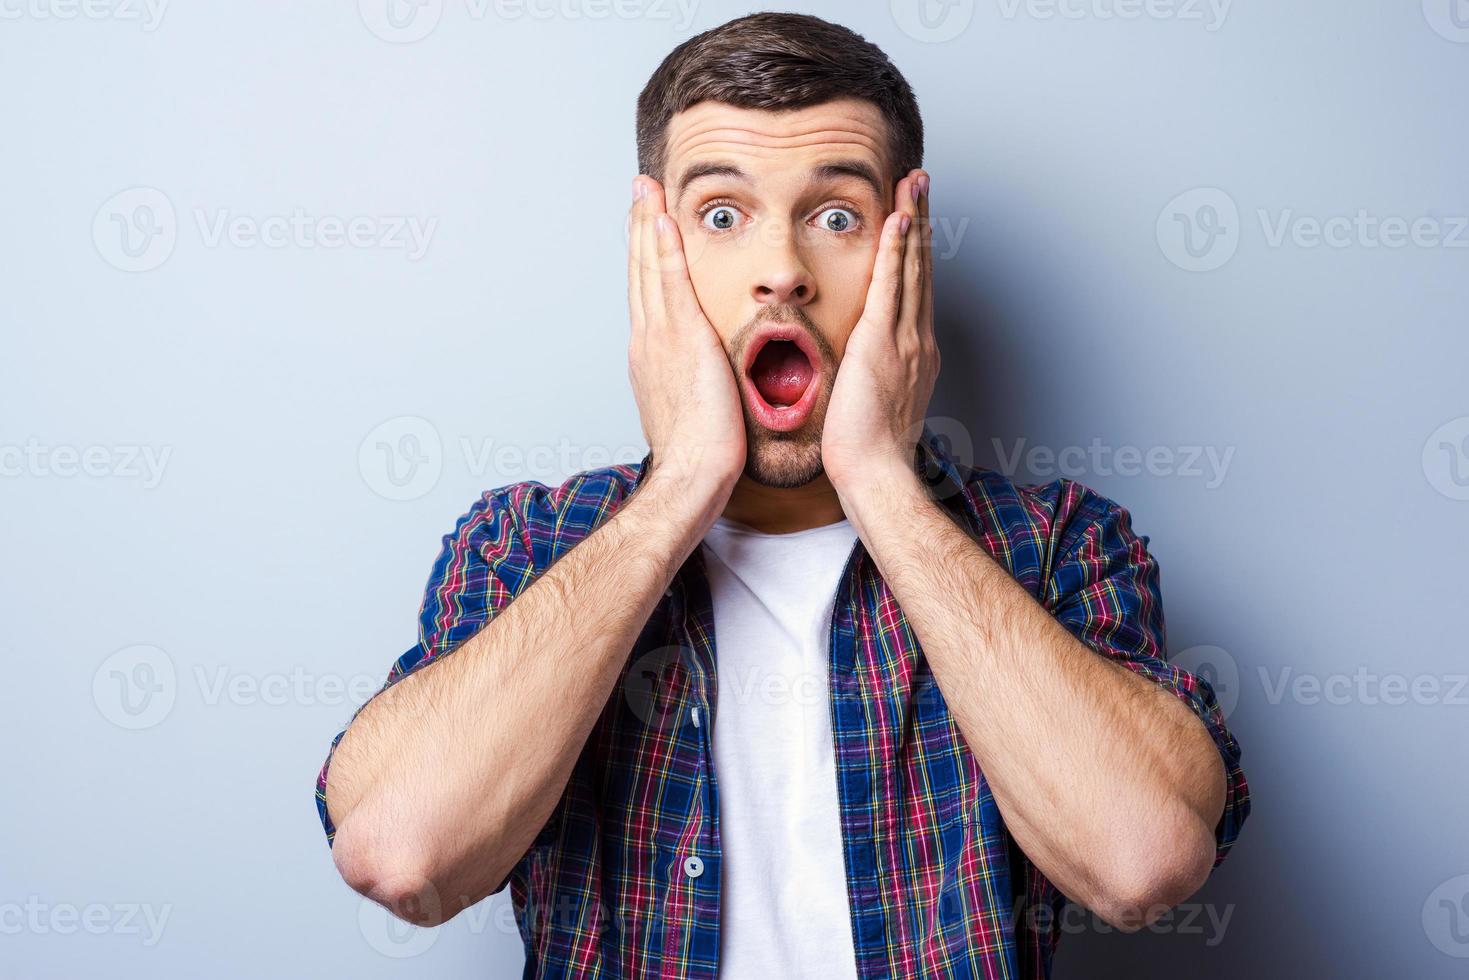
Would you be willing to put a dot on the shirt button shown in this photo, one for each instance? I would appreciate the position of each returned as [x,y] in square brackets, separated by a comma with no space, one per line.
[695,715]
[693,867]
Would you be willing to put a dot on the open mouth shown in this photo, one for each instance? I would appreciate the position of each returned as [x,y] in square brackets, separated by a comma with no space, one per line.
[781,373]
[782,377]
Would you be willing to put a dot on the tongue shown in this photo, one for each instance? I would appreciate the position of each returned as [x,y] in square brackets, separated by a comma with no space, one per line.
[781,373]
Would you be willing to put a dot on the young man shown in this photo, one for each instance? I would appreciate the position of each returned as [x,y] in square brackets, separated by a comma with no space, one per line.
[797,696]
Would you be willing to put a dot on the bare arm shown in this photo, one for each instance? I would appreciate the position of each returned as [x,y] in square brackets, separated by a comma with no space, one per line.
[1109,784]
[444,779]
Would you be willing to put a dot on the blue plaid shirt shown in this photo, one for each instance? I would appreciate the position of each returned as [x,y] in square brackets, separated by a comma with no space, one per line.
[936,885]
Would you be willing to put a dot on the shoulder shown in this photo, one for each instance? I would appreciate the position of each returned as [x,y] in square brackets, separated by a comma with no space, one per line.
[1037,527]
[542,521]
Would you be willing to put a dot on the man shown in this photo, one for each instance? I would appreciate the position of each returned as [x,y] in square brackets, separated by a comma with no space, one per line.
[798,695]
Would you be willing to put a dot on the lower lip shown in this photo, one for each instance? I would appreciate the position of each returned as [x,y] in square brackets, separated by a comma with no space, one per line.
[787,417]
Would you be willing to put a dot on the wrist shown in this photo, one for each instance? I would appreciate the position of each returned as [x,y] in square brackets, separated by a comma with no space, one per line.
[691,498]
[879,492]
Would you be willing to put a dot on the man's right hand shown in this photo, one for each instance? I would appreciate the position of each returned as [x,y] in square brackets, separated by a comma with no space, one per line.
[687,395]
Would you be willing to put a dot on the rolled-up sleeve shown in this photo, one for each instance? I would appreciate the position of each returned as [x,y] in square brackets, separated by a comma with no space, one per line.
[1104,588]
[483,564]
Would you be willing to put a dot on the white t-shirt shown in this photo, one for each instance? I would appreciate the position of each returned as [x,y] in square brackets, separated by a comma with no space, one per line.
[784,906]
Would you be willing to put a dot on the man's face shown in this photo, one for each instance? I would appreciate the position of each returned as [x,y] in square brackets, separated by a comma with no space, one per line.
[780,214]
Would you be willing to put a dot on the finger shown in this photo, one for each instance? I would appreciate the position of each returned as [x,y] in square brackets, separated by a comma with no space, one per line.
[680,304]
[925,308]
[887,272]
[648,259]
[912,294]
[634,261]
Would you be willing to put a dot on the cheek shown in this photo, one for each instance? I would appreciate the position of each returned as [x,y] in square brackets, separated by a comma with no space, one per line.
[719,285]
[844,278]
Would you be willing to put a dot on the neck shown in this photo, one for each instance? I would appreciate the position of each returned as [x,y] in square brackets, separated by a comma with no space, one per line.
[777,510]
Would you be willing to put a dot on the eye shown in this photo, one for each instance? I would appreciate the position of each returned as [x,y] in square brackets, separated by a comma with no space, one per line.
[837,219]
[721,217]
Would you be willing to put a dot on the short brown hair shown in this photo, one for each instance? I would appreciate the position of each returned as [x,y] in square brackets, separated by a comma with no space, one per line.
[778,61]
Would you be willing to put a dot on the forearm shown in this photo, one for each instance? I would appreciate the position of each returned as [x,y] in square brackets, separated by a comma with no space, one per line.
[1109,783]
[445,778]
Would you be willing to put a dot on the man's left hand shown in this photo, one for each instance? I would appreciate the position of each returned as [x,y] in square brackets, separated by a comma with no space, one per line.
[887,374]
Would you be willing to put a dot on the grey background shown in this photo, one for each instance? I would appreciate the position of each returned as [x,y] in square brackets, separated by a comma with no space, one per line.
[269,578]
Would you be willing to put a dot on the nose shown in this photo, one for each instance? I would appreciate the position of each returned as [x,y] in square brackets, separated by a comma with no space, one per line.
[781,275]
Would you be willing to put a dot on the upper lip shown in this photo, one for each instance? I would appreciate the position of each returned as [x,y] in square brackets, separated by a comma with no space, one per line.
[781,330]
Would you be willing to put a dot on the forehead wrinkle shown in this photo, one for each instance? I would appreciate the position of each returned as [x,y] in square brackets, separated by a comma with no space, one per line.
[731,139]
[714,126]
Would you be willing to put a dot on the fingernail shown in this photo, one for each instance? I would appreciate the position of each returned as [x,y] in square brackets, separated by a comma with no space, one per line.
[923,183]
[903,224]
[661,223]
[915,190]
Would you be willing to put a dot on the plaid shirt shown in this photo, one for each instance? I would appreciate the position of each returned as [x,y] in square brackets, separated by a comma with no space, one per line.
[936,885]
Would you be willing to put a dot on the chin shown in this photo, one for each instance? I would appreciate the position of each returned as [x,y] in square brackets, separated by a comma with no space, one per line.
[782,460]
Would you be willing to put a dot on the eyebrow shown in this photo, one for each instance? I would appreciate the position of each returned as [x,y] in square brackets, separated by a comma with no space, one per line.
[826,172]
